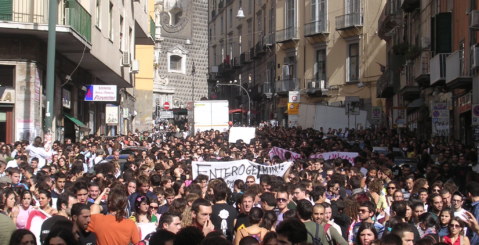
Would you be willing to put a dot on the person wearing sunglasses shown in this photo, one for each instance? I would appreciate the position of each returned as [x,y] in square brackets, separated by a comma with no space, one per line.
[282,200]
[456,233]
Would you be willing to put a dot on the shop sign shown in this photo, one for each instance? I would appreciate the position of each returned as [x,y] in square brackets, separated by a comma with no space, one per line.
[293,108]
[7,95]
[111,112]
[464,103]
[101,93]
[475,115]
[376,113]
[66,99]
[294,97]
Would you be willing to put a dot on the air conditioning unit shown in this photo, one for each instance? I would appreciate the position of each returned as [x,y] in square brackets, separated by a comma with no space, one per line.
[135,67]
[125,60]
[474,19]
[475,57]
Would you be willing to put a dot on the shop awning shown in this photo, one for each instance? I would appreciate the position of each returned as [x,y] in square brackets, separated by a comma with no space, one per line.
[76,121]
[416,103]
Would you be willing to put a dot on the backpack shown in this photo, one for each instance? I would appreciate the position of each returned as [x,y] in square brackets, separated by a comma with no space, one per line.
[328,236]
[315,238]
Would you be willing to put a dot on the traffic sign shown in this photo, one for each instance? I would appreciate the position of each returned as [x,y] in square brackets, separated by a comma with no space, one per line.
[475,115]
[166,105]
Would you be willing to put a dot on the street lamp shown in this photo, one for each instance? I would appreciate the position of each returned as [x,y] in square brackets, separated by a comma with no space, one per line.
[247,93]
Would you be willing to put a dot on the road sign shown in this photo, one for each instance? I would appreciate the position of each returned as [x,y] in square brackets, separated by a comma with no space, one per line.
[475,115]
[166,105]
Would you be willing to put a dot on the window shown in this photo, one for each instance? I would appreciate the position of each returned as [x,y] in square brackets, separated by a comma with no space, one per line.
[110,22]
[175,63]
[319,14]
[290,14]
[353,60]
[353,6]
[7,76]
[250,30]
[320,65]
[222,25]
[122,39]
[231,18]
[209,34]
[98,13]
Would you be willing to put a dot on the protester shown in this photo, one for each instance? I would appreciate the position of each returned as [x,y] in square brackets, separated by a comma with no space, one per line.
[331,179]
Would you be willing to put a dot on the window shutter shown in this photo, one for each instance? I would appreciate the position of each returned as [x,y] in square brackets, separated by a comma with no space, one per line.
[6,10]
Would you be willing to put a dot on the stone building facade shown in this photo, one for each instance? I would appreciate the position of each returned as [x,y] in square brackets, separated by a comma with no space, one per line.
[181,52]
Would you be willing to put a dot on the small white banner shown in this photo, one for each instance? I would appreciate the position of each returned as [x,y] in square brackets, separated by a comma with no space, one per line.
[241,133]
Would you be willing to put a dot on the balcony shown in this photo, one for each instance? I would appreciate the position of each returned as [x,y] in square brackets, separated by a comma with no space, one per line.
[315,28]
[286,85]
[389,19]
[421,68]
[409,89]
[347,21]
[457,74]
[245,58]
[385,84]
[259,48]
[286,35]
[33,15]
[410,5]
[236,62]
[268,39]
[438,68]
[315,87]
[268,90]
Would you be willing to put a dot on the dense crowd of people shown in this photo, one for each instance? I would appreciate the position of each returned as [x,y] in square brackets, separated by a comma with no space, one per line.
[88,192]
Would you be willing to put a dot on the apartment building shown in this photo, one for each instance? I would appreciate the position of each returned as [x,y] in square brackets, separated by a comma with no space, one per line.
[242,57]
[430,71]
[95,43]
[326,50]
[180,56]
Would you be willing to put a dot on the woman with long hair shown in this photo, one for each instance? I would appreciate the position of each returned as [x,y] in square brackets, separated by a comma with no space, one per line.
[445,218]
[269,220]
[9,201]
[113,228]
[22,237]
[21,212]
[142,212]
[255,216]
[45,202]
[456,233]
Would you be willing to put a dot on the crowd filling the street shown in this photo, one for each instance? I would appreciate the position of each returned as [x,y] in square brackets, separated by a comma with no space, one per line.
[285,186]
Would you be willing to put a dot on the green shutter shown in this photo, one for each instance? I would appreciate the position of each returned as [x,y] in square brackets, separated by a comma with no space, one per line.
[443,33]
[6,10]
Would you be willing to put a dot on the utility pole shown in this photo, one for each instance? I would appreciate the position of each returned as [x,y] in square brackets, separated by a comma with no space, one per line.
[52,22]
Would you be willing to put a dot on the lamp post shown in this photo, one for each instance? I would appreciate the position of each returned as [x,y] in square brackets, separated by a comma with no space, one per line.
[247,93]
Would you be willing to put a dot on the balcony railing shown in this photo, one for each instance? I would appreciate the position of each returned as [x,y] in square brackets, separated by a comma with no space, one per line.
[268,88]
[152,28]
[455,68]
[422,65]
[290,33]
[286,85]
[385,87]
[268,39]
[389,19]
[79,19]
[315,27]
[348,21]
[70,13]
[438,68]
